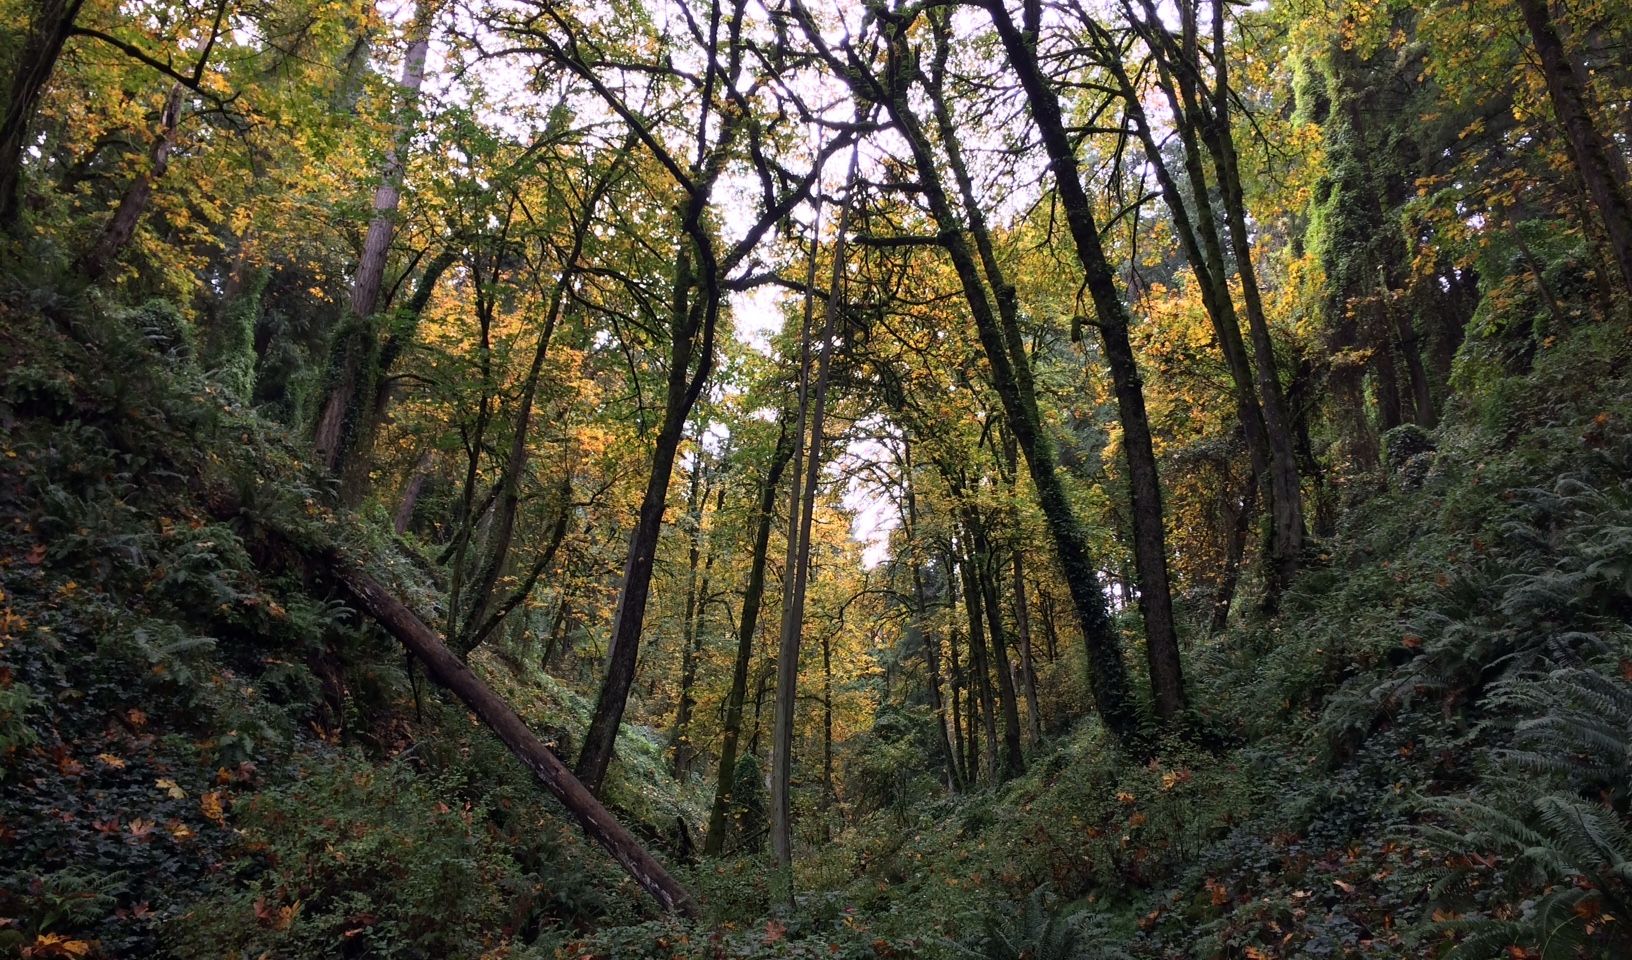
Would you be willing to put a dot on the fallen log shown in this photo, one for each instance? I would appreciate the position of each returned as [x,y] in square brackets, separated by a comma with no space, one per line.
[372,598]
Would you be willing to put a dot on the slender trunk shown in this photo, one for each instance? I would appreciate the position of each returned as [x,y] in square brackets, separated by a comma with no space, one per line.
[1028,669]
[979,663]
[554,646]
[624,650]
[122,225]
[828,794]
[449,671]
[932,644]
[960,760]
[1390,411]
[1410,347]
[1051,633]
[1287,509]
[1592,154]
[53,23]
[797,567]
[986,572]
[694,315]
[1240,528]
[354,347]
[753,594]
[697,585]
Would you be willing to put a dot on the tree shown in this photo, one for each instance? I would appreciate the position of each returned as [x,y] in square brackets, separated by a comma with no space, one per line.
[353,361]
[1600,165]
[1009,363]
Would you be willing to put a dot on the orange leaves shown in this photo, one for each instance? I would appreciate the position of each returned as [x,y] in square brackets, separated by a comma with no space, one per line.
[212,805]
[276,917]
[140,829]
[1173,778]
[48,945]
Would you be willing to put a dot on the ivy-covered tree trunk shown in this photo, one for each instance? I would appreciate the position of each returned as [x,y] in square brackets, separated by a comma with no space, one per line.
[354,351]
[1149,536]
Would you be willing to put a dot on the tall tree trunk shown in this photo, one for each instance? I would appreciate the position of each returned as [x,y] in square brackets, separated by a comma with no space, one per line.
[354,350]
[1410,347]
[697,586]
[53,23]
[980,666]
[1028,668]
[693,322]
[1286,512]
[960,759]
[624,650]
[752,597]
[828,794]
[1149,537]
[94,263]
[1240,528]
[801,513]
[1013,759]
[1391,412]
[449,671]
[932,644]
[1592,154]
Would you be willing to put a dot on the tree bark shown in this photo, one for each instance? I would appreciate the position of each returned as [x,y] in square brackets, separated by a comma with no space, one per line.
[752,597]
[1028,668]
[932,644]
[1286,512]
[354,347]
[1014,762]
[974,597]
[448,670]
[965,774]
[94,263]
[697,586]
[417,478]
[1591,152]
[797,567]
[52,25]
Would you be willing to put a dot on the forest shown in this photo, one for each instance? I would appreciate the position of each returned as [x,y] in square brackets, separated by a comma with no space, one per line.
[859,479]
